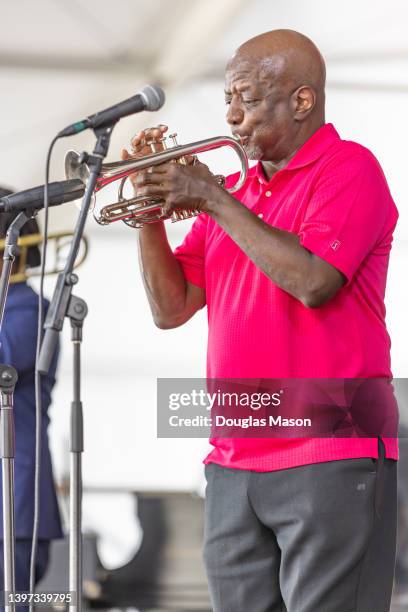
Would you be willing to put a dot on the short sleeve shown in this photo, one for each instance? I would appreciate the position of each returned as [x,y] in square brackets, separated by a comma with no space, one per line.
[349,211]
[191,253]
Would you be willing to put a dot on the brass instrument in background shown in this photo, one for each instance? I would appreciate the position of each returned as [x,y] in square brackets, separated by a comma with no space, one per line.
[60,240]
[137,211]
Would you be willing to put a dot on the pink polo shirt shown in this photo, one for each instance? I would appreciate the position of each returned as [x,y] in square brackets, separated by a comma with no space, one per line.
[334,196]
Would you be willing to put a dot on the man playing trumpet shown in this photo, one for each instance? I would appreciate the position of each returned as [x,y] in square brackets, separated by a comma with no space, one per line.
[293,272]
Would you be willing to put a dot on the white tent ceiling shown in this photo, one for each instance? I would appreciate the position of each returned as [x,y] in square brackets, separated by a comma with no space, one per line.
[170,40]
[63,59]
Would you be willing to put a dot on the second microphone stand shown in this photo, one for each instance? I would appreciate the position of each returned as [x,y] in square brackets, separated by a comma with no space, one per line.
[8,379]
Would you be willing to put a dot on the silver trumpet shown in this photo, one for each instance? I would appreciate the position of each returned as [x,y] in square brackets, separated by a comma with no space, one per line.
[138,210]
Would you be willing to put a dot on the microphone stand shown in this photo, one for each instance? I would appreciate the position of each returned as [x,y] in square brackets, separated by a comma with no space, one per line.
[64,304]
[8,379]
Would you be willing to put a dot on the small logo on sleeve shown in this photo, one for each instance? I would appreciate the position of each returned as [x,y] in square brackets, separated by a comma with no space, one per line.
[335,245]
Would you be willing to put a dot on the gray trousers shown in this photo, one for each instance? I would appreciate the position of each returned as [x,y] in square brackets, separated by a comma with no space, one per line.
[315,538]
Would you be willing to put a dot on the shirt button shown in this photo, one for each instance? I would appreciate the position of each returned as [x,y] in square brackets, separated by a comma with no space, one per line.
[268,194]
[260,215]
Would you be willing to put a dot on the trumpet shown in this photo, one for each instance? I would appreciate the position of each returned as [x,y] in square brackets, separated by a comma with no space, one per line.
[138,210]
[60,242]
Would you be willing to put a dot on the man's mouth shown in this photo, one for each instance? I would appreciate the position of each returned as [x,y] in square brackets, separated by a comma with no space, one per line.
[243,140]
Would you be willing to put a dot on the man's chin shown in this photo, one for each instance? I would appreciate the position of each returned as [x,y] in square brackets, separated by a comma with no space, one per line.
[253,153]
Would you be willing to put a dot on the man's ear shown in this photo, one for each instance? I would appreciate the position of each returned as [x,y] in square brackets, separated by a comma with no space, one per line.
[303,102]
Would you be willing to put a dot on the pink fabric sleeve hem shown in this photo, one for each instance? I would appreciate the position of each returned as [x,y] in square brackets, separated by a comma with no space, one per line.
[314,244]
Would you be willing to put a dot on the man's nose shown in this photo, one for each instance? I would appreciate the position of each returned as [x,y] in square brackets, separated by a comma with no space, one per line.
[234,114]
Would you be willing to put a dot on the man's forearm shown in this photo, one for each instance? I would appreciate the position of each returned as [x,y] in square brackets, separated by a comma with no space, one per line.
[162,275]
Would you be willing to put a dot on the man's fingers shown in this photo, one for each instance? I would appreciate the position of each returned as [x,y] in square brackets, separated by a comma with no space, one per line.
[161,130]
[150,178]
[152,190]
[140,139]
[137,139]
[155,133]
[191,160]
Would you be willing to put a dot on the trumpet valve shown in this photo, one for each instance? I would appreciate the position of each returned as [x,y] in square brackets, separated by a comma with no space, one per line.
[174,139]
[159,144]
[181,160]
[180,215]
[152,144]
[162,141]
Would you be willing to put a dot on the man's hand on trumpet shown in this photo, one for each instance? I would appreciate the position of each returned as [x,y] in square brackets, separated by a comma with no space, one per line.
[185,186]
[141,143]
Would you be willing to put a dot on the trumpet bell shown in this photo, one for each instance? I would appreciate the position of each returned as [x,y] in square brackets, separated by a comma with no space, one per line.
[75,168]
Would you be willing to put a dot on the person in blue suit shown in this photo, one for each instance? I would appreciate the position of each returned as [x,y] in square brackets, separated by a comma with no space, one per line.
[18,339]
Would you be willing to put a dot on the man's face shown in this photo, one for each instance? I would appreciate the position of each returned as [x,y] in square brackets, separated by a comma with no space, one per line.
[259,109]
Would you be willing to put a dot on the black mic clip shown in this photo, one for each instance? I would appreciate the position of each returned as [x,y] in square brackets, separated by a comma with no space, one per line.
[88,159]
[83,157]
[71,279]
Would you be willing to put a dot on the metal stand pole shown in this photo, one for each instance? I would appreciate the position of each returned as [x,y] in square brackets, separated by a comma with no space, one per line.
[77,312]
[64,304]
[8,379]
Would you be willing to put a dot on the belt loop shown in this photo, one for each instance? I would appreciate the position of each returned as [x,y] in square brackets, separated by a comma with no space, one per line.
[381,449]
[379,485]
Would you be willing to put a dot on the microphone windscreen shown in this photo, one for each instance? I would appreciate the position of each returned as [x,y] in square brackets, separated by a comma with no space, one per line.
[154,97]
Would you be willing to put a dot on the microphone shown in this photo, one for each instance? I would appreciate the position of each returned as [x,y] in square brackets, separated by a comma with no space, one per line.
[58,193]
[151,98]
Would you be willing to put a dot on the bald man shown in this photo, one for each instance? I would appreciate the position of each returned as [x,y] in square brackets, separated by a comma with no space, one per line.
[292,269]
